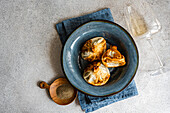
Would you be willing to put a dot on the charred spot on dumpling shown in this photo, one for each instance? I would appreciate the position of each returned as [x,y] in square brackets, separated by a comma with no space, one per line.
[113,58]
[93,49]
[96,74]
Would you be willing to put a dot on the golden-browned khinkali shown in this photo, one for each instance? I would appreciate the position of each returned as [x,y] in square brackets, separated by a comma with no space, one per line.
[96,74]
[93,49]
[113,58]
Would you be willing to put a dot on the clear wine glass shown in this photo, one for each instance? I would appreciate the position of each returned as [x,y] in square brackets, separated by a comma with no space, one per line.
[142,23]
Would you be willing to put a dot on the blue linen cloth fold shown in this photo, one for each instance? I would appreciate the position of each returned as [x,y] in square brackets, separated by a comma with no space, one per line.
[90,103]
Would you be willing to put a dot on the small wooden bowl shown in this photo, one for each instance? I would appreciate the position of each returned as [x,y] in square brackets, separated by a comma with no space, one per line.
[53,88]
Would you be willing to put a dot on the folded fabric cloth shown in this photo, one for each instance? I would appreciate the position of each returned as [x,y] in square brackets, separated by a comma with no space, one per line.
[98,102]
[90,103]
[66,27]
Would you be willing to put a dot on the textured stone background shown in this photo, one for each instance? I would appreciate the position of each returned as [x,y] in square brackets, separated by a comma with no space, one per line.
[30,51]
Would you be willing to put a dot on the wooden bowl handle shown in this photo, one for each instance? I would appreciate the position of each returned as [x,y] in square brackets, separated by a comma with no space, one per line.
[44,85]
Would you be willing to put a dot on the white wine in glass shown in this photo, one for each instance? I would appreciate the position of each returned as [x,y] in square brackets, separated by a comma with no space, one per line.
[142,23]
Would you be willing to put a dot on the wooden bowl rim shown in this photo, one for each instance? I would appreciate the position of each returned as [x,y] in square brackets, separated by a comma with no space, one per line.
[54,86]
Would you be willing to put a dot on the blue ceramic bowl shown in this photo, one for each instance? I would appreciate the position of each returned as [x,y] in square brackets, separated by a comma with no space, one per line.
[114,34]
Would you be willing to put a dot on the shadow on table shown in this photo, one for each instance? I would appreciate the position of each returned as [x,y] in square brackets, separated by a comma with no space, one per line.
[55,60]
[55,57]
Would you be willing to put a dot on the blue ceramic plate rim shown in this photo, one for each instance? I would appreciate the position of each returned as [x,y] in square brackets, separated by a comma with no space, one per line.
[64,52]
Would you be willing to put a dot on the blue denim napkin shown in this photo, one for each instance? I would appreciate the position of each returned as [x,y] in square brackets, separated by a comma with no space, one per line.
[90,103]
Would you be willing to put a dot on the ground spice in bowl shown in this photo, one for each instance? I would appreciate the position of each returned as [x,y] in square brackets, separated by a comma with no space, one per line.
[65,91]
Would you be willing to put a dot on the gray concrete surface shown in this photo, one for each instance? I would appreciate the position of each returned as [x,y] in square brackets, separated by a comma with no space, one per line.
[30,52]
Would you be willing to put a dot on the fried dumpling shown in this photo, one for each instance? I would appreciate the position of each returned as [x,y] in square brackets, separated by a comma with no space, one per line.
[96,74]
[113,58]
[93,49]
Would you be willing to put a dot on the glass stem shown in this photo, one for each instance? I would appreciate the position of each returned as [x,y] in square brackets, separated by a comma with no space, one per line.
[157,56]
